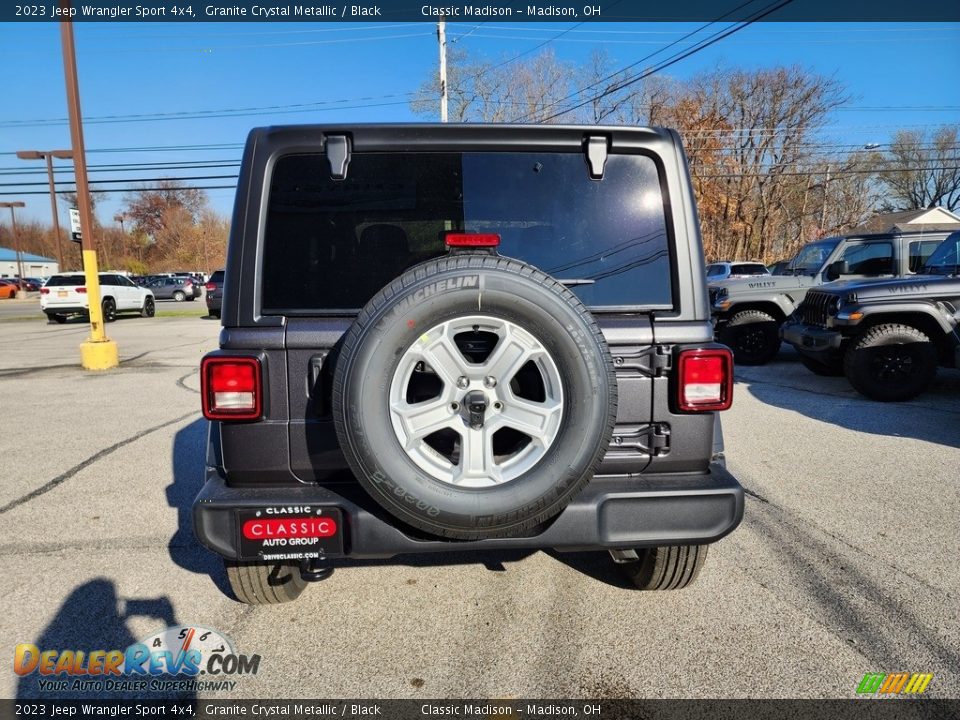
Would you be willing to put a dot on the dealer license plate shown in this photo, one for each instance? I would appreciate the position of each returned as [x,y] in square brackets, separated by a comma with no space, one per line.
[290,533]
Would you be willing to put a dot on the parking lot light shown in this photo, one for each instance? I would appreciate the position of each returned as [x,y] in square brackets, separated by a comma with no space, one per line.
[48,155]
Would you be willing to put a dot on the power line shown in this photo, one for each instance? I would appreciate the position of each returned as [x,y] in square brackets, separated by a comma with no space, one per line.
[321,106]
[715,38]
[120,190]
[641,60]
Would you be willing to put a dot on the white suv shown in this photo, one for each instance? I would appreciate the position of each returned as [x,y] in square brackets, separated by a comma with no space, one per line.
[66,294]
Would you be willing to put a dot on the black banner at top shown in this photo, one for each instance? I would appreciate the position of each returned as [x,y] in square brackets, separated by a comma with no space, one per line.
[278,11]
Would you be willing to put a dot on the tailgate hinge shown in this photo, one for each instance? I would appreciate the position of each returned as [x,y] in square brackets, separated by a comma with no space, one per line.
[658,439]
[661,361]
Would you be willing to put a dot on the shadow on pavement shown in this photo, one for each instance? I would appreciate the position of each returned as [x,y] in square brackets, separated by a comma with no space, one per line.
[863,610]
[786,384]
[189,450]
[93,617]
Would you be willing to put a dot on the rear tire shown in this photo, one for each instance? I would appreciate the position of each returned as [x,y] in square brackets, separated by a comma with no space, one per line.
[823,369]
[179,296]
[753,335]
[149,308]
[109,310]
[257,583]
[891,363]
[58,319]
[671,567]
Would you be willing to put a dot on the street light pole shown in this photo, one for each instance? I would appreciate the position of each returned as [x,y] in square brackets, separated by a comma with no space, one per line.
[16,240]
[49,155]
[98,352]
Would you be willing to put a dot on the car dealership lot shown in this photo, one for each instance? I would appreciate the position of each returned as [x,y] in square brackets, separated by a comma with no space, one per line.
[845,562]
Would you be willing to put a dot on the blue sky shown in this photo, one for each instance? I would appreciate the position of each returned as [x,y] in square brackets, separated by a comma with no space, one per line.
[362,72]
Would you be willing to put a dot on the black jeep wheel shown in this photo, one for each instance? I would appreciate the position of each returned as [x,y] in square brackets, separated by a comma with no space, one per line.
[671,567]
[264,583]
[149,308]
[753,335]
[891,362]
[109,310]
[474,397]
[829,368]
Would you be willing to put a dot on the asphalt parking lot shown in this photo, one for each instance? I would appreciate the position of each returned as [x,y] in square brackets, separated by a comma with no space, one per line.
[845,563]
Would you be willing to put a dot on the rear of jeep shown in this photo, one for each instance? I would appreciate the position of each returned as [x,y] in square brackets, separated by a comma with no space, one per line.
[454,338]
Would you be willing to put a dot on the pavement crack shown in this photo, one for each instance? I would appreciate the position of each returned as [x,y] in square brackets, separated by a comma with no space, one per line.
[60,479]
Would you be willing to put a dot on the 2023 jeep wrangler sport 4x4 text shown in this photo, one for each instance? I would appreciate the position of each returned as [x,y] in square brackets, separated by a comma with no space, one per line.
[453,338]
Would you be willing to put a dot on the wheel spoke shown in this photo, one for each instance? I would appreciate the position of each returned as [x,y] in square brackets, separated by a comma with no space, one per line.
[422,419]
[515,349]
[440,352]
[533,419]
[476,456]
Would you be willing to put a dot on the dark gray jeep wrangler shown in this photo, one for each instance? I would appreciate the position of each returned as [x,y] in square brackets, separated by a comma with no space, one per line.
[454,338]
[887,336]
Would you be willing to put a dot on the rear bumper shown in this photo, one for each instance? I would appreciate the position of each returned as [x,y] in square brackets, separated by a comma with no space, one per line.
[810,339]
[610,513]
[65,309]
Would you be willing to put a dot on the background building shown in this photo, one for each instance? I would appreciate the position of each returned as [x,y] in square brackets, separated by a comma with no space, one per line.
[34,266]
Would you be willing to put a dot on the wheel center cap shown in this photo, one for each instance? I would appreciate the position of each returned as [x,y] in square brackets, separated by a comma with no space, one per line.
[473,409]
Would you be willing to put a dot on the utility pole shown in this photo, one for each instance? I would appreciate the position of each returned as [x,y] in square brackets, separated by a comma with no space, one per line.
[823,210]
[16,241]
[442,38]
[49,155]
[98,352]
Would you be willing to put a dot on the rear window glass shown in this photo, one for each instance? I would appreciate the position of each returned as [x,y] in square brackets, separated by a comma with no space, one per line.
[217,277]
[749,269]
[333,244]
[57,280]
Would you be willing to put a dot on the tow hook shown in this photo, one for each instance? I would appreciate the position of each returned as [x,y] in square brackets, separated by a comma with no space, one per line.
[314,570]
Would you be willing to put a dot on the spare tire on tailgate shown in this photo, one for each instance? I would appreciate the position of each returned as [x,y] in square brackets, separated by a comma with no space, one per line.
[474,397]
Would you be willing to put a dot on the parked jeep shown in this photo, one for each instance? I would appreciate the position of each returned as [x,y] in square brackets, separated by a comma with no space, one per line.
[448,338]
[887,337]
[748,312]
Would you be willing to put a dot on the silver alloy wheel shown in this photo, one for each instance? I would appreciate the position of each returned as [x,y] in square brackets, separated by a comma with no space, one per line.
[517,383]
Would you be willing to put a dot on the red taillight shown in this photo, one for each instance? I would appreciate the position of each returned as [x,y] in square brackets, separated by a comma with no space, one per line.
[472,240]
[210,287]
[231,388]
[704,380]
[44,291]
[187,283]
[81,290]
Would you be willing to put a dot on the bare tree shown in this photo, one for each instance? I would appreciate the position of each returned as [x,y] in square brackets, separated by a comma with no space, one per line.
[921,171]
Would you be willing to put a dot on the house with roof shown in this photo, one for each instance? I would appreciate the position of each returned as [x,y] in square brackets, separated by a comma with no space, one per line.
[34,266]
[927,220]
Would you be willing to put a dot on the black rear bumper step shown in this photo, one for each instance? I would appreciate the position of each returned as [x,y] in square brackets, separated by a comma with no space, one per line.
[610,513]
